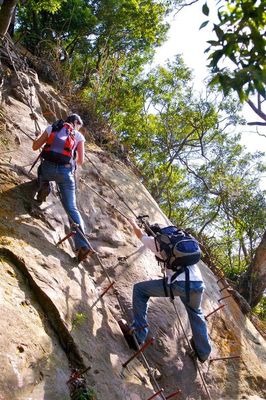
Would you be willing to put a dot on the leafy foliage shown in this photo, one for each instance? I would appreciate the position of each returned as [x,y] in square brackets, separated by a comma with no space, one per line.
[50,6]
[84,394]
[241,39]
[89,34]
[260,309]
[78,319]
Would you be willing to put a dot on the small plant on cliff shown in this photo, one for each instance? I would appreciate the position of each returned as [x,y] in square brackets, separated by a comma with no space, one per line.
[260,309]
[78,320]
[85,394]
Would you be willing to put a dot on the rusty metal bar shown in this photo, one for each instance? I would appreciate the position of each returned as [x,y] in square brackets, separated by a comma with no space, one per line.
[66,237]
[140,350]
[77,374]
[102,294]
[155,394]
[173,394]
[226,287]
[149,369]
[214,311]
[223,358]
[106,290]
[225,297]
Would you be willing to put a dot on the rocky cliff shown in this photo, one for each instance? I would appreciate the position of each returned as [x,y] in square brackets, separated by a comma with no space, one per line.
[54,321]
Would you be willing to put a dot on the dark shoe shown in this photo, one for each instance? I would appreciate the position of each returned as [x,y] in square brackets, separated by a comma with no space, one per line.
[192,343]
[83,253]
[43,193]
[127,332]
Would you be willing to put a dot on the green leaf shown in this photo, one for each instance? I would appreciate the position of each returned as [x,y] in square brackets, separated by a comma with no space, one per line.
[219,32]
[213,42]
[260,88]
[205,9]
[215,57]
[203,24]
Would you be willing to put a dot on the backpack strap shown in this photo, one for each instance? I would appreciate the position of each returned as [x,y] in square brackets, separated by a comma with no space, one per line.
[157,246]
[165,285]
[187,283]
[49,140]
[69,142]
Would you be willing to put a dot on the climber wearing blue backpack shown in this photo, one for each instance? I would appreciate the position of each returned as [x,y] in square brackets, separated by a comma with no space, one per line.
[179,252]
[63,148]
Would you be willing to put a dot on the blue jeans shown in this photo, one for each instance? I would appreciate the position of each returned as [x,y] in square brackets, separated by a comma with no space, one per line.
[65,179]
[142,291]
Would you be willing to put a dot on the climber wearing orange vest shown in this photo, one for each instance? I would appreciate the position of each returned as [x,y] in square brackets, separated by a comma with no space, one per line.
[63,149]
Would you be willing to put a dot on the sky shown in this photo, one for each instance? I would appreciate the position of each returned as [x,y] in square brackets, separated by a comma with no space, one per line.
[184,37]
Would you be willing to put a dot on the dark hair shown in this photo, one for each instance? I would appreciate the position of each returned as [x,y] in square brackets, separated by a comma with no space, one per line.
[71,119]
[154,228]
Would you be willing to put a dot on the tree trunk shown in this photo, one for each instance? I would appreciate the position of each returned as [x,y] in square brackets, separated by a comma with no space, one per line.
[11,27]
[6,14]
[252,283]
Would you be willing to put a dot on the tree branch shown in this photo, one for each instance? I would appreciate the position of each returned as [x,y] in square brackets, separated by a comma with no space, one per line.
[257,123]
[210,220]
[191,171]
[257,110]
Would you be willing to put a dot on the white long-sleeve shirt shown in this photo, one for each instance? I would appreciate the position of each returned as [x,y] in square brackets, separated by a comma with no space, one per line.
[194,271]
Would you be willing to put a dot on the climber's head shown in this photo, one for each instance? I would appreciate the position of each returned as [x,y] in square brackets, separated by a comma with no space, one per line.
[155,228]
[75,120]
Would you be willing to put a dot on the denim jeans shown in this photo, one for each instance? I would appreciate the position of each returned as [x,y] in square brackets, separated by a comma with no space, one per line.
[65,179]
[142,291]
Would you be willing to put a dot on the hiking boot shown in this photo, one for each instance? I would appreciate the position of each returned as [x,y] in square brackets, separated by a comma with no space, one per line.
[84,252]
[192,343]
[127,332]
[43,193]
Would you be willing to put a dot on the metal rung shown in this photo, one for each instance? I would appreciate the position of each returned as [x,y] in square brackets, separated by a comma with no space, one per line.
[66,237]
[214,311]
[140,350]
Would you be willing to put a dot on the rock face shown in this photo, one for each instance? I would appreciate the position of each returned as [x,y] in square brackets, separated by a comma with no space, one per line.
[53,318]
[30,352]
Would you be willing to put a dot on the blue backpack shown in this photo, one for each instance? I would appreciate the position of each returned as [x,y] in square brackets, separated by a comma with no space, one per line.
[177,248]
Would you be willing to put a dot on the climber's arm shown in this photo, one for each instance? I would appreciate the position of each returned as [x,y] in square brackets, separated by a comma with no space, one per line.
[80,153]
[39,141]
[138,232]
